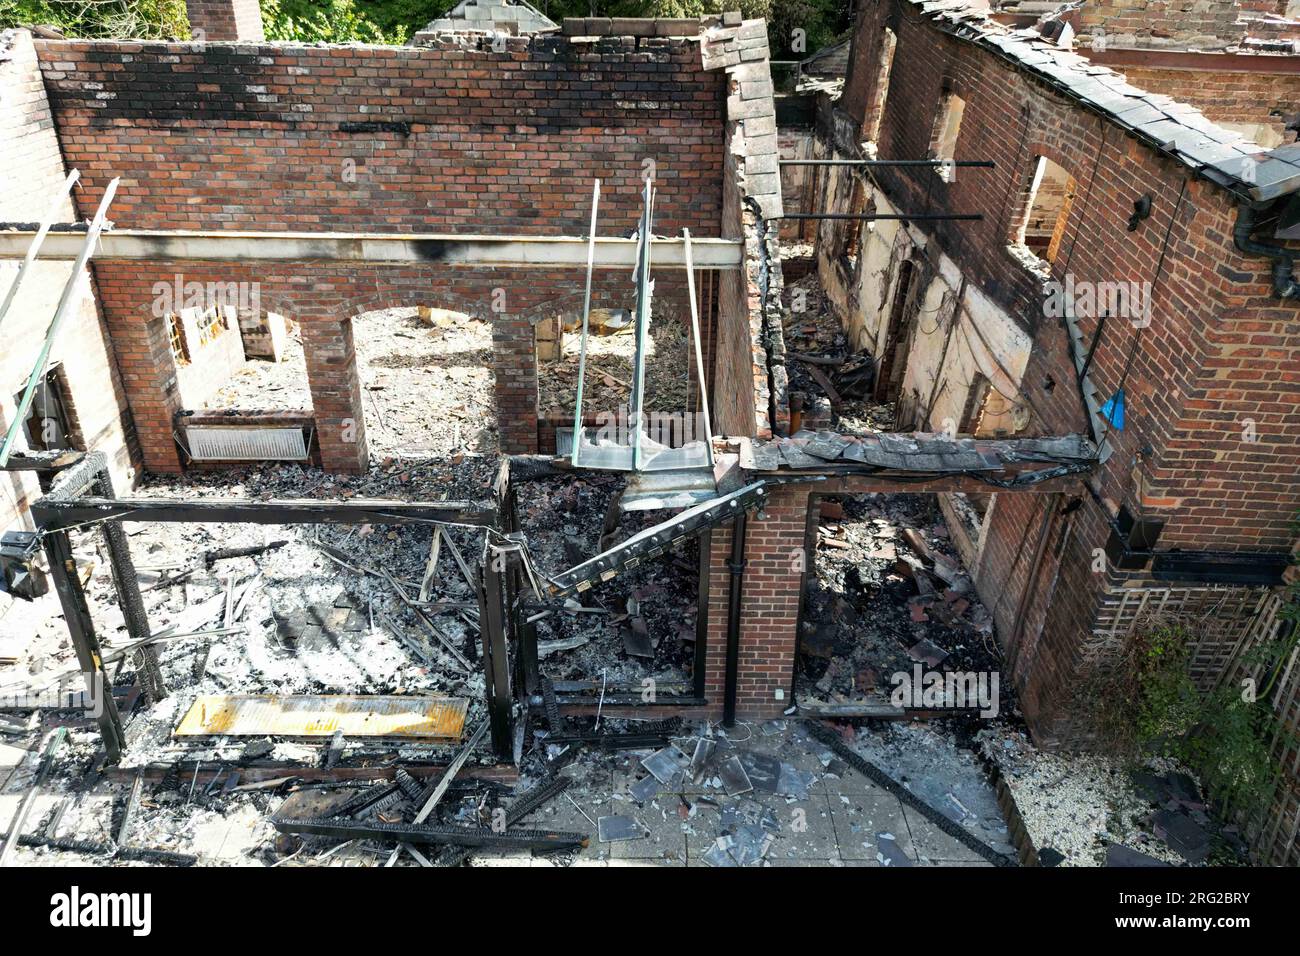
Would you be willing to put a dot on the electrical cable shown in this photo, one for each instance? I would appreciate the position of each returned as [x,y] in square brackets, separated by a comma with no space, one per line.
[1101,146]
[1137,334]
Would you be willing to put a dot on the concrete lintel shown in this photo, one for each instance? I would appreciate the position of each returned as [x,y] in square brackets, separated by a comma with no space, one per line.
[394,248]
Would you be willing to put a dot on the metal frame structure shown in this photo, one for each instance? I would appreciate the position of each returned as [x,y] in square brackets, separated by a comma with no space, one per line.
[872,163]
[634,456]
[66,507]
[878,163]
[872,216]
[508,590]
[507,585]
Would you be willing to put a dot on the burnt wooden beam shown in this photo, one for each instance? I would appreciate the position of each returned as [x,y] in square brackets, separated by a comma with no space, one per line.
[432,833]
[126,582]
[297,773]
[63,570]
[53,513]
[494,620]
[42,462]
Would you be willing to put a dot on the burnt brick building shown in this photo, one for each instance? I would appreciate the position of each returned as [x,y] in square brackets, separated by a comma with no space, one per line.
[1119,286]
[1095,184]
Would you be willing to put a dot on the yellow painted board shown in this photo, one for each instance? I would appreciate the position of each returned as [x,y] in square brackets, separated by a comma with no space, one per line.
[321,715]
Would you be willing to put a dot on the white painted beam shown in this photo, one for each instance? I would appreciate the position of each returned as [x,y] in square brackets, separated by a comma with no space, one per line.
[429,249]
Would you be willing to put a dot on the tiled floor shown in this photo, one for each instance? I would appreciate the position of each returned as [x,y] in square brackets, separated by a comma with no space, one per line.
[843,821]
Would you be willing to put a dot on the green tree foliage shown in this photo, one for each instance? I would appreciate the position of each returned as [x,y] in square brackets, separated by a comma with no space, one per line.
[408,16]
[101,19]
[326,21]
[821,22]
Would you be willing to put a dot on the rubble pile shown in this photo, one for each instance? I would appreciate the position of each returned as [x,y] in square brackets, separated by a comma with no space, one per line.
[610,351]
[426,382]
[264,384]
[308,609]
[645,620]
[889,593]
[1091,810]
[836,379]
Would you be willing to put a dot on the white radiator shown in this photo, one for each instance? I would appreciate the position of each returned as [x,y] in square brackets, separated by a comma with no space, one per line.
[246,443]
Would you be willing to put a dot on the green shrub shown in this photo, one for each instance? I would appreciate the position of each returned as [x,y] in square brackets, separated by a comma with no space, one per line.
[324,21]
[101,19]
[1224,734]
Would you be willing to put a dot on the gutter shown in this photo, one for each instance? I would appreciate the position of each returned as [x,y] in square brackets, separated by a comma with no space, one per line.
[1285,285]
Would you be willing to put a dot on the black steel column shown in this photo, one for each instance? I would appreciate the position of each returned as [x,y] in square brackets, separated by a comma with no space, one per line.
[525,633]
[63,569]
[700,665]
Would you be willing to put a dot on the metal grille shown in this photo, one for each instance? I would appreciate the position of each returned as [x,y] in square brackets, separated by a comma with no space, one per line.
[246,443]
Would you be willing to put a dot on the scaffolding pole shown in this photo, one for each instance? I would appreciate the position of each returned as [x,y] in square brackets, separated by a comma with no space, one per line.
[586,315]
[39,238]
[964,163]
[642,326]
[869,216]
[699,349]
[69,298]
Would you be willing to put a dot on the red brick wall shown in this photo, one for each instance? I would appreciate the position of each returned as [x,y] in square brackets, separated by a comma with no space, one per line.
[1044,640]
[1218,361]
[776,555]
[225,20]
[468,141]
[1203,24]
[1205,299]
[254,137]
[774,546]
[31,174]
[1237,99]
[739,387]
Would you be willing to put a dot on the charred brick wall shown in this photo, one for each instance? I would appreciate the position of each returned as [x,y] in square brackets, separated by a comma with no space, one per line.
[31,174]
[1219,348]
[457,137]
[1213,407]
[452,138]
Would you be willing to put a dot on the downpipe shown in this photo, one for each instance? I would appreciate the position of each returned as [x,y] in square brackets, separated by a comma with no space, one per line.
[737,568]
[1285,285]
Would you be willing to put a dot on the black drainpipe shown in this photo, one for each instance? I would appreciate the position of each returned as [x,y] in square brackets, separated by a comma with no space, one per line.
[1285,285]
[737,566]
